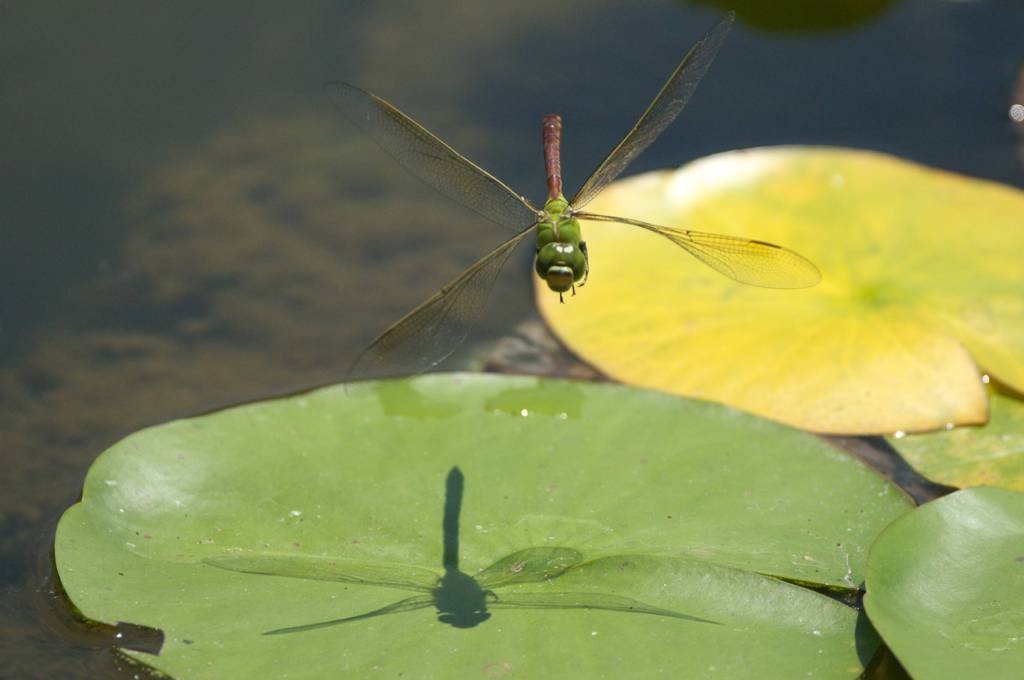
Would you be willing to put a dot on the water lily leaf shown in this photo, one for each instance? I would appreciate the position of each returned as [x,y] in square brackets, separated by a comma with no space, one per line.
[945,586]
[989,455]
[921,281]
[458,525]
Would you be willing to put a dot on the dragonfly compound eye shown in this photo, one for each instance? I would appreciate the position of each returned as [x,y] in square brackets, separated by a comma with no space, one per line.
[560,264]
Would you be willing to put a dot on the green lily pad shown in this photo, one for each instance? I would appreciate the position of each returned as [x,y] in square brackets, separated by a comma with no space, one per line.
[945,586]
[466,525]
[989,455]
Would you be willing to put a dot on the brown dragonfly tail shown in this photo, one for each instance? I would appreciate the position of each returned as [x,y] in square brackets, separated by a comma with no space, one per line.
[552,132]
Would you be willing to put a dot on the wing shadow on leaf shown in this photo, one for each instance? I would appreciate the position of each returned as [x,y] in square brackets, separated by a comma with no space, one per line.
[461,600]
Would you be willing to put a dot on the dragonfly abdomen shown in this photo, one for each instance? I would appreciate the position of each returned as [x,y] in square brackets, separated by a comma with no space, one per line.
[552,135]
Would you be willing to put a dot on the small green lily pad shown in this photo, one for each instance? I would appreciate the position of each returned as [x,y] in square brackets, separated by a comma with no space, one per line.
[945,586]
[991,454]
[476,526]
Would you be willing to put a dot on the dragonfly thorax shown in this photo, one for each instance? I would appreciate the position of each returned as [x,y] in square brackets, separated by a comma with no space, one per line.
[560,261]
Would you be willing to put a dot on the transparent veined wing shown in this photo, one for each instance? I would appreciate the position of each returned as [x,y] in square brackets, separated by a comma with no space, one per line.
[430,333]
[342,570]
[430,159]
[659,114]
[407,605]
[756,263]
[570,600]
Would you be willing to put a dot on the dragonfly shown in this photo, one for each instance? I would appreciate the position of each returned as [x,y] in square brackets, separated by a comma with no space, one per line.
[461,600]
[430,333]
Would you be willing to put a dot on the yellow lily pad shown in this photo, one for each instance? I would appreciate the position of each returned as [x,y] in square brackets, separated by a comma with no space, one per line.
[922,280]
[992,455]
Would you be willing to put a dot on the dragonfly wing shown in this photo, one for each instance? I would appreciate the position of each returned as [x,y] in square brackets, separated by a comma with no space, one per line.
[342,570]
[659,114]
[406,605]
[569,600]
[756,263]
[431,160]
[428,334]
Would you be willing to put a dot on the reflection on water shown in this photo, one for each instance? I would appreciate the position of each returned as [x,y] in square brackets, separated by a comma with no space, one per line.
[187,222]
[400,398]
[563,401]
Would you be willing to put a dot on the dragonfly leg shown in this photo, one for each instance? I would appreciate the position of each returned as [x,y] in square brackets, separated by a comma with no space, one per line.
[561,298]
[586,263]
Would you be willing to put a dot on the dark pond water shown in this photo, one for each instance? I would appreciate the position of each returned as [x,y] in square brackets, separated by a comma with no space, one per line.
[185,222]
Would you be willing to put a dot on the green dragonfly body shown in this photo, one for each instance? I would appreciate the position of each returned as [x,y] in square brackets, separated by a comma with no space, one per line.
[429,333]
[561,258]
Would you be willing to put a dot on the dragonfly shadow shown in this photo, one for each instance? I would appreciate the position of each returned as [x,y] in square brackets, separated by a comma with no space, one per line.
[461,600]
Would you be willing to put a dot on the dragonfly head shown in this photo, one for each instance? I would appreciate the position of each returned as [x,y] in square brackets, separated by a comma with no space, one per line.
[560,265]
